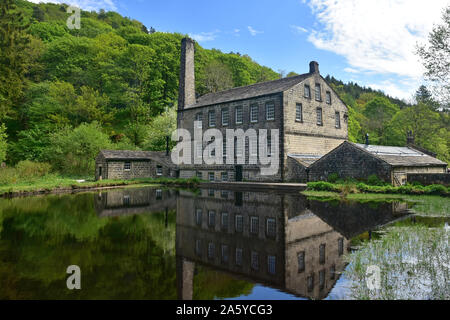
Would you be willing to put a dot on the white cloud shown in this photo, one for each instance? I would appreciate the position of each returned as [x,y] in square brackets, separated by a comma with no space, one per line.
[253,32]
[399,89]
[204,36]
[298,29]
[377,37]
[89,5]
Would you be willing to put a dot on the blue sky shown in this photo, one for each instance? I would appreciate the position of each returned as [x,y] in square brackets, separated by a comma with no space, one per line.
[368,42]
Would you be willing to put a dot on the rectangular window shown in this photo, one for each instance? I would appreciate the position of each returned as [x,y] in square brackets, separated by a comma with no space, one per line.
[211,218]
[307,91]
[212,118]
[254,110]
[341,246]
[199,175]
[322,279]
[126,200]
[211,250]
[239,224]
[254,146]
[332,272]
[317,92]
[211,192]
[224,176]
[254,225]
[199,150]
[159,170]
[269,146]
[211,176]
[199,118]
[225,220]
[301,261]
[198,217]
[239,115]
[224,253]
[254,261]
[239,256]
[158,194]
[319,116]
[270,111]
[328,97]
[224,148]
[298,112]
[310,282]
[322,253]
[127,166]
[271,263]
[337,119]
[198,247]
[271,229]
[225,117]
[224,194]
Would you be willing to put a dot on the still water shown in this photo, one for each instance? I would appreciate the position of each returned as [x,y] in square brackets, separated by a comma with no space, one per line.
[147,243]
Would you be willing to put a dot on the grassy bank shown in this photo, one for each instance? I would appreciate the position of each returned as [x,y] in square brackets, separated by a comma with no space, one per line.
[54,183]
[350,187]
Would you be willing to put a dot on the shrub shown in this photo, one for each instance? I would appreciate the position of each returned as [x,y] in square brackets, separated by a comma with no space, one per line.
[373,180]
[333,177]
[29,169]
[322,186]
[436,189]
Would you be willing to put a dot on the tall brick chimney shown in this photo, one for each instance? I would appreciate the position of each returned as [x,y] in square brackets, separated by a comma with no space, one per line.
[186,94]
[410,138]
[313,67]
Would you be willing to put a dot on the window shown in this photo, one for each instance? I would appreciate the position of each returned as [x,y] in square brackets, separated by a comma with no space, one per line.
[270,111]
[322,253]
[224,150]
[212,118]
[126,200]
[332,272]
[254,110]
[317,92]
[159,170]
[271,230]
[211,218]
[199,118]
[211,250]
[239,256]
[199,150]
[225,117]
[198,217]
[301,261]
[127,166]
[269,146]
[319,116]
[328,97]
[239,224]
[310,282]
[341,246]
[211,176]
[271,261]
[211,192]
[199,175]
[298,112]
[158,194]
[337,119]
[224,194]
[254,225]
[239,115]
[224,253]
[224,176]
[322,279]
[254,260]
[198,247]
[225,220]
[307,91]
[254,146]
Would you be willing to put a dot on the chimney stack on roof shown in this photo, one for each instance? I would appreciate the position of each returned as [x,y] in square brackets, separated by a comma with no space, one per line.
[313,67]
[367,139]
[410,138]
[186,95]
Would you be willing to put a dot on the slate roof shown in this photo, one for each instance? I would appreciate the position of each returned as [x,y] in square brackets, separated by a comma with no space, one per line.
[157,156]
[251,91]
[305,159]
[401,156]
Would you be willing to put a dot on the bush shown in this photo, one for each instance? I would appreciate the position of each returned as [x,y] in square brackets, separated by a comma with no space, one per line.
[322,186]
[29,169]
[436,189]
[373,180]
[333,177]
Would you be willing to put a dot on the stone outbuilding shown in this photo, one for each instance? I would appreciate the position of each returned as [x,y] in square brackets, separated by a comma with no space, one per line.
[359,161]
[130,164]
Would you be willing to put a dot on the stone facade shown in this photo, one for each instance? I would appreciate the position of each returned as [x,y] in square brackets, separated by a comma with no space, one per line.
[429,178]
[300,130]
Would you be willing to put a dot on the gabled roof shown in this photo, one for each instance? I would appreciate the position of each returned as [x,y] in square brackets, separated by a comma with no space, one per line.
[400,156]
[157,156]
[254,90]
[304,159]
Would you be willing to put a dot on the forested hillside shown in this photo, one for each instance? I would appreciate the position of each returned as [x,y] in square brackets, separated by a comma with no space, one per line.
[113,83]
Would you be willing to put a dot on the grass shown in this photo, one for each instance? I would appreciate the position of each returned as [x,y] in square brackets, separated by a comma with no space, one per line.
[54,182]
[413,264]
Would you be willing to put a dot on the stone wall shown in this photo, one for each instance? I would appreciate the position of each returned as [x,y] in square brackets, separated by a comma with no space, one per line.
[429,178]
[139,169]
[295,172]
[349,162]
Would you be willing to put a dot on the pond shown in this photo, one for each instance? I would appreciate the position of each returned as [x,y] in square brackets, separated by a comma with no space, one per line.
[150,243]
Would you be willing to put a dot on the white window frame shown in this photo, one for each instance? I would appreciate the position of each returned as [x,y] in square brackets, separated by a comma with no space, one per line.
[212,118]
[254,113]
[299,112]
[125,167]
[241,109]
[270,111]
[225,111]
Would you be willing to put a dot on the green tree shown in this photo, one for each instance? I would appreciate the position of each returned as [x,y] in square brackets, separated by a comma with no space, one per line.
[378,112]
[159,128]
[3,142]
[218,77]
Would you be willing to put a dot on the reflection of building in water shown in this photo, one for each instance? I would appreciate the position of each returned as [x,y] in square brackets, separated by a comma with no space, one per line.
[130,201]
[283,241]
